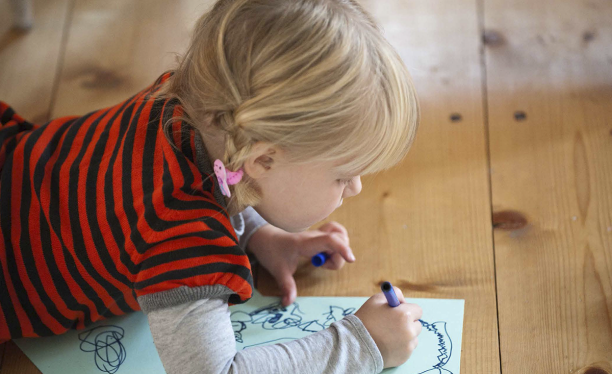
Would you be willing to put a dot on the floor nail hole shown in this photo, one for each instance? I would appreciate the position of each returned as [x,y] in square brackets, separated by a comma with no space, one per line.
[519,115]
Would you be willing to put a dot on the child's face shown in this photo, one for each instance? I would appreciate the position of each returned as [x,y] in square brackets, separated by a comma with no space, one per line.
[297,197]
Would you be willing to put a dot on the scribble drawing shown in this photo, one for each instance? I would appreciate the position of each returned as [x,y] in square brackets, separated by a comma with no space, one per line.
[277,317]
[445,346]
[105,341]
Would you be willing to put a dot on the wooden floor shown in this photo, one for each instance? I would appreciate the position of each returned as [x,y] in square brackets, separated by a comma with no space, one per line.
[505,199]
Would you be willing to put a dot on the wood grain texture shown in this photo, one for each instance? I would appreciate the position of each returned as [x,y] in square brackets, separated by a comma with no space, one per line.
[16,362]
[425,225]
[29,60]
[549,80]
[116,48]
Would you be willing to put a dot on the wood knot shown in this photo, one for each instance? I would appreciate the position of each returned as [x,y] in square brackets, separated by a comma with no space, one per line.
[588,36]
[103,79]
[601,367]
[96,77]
[519,115]
[508,220]
[595,371]
[455,117]
[492,38]
[423,287]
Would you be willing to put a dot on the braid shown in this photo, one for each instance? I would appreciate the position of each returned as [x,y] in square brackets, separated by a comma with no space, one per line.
[237,148]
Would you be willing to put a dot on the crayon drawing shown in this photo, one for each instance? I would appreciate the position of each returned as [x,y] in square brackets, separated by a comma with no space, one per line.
[444,346]
[277,317]
[266,321]
[105,342]
[118,345]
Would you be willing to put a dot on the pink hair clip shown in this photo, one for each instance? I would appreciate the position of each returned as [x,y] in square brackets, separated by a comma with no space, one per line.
[226,177]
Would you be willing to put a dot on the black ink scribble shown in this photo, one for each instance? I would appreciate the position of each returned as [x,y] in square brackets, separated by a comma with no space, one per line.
[445,346]
[277,317]
[105,341]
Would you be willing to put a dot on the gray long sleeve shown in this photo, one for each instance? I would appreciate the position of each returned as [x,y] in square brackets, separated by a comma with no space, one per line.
[197,337]
[245,224]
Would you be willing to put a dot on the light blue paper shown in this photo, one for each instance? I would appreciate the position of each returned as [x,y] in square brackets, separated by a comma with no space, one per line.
[129,351]
[124,345]
[263,321]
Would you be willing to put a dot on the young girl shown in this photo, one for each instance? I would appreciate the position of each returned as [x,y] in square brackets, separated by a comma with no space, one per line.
[266,125]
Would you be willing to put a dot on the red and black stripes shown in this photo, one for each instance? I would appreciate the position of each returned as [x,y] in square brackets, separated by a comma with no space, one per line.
[98,210]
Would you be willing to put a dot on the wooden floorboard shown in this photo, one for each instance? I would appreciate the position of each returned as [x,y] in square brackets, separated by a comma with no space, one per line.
[16,362]
[549,83]
[29,60]
[116,48]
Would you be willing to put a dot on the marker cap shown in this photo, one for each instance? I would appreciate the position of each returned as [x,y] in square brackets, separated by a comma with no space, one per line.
[319,259]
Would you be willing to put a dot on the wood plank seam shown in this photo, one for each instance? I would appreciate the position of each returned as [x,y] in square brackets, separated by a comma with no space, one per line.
[480,9]
[60,64]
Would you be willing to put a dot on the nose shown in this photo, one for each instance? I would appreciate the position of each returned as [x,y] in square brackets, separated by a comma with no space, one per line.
[354,188]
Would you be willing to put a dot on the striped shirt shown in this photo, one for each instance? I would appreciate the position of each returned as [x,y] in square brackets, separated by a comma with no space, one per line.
[97,211]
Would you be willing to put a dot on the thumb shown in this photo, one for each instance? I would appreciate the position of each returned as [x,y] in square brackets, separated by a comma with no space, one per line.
[288,288]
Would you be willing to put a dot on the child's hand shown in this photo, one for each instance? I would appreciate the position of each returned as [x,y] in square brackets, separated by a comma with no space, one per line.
[394,330]
[279,252]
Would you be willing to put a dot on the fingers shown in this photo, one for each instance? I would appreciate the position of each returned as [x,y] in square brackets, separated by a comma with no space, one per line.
[400,294]
[288,288]
[336,244]
[413,344]
[334,226]
[331,244]
[334,262]
[331,238]
[418,326]
[414,310]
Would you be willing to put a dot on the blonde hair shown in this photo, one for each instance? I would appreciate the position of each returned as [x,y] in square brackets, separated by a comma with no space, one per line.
[314,77]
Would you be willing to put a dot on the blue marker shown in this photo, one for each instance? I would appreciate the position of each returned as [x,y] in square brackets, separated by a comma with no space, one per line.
[319,259]
[389,292]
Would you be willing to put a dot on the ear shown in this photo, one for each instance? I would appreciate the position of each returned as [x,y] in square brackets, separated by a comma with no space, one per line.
[264,156]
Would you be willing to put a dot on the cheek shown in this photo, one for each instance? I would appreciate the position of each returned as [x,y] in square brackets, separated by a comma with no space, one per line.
[315,200]
[297,206]
[331,199]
